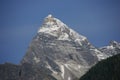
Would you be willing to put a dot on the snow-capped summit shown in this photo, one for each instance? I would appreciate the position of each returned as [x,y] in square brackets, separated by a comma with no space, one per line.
[54,27]
[51,24]
[49,16]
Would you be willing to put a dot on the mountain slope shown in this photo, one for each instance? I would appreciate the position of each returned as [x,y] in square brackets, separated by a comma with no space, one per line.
[61,50]
[108,69]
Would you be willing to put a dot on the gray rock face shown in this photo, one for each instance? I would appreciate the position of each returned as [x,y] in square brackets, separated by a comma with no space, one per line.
[112,49]
[61,50]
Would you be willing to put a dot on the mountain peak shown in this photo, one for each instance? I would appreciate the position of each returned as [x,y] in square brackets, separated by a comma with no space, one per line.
[61,51]
[113,42]
[54,27]
[49,16]
[51,24]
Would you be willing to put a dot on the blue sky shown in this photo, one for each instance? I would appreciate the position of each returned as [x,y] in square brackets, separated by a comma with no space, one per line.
[98,20]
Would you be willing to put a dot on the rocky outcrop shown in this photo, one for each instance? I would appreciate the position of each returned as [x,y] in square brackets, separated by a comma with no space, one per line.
[112,49]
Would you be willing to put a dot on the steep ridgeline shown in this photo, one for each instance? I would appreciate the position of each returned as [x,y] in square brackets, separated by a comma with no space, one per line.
[112,49]
[59,49]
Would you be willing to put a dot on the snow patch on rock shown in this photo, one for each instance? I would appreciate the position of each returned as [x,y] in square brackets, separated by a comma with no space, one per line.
[64,36]
[63,72]
[49,67]
[37,60]
[69,78]
[99,54]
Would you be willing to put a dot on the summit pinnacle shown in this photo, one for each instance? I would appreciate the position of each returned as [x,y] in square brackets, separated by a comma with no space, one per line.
[49,16]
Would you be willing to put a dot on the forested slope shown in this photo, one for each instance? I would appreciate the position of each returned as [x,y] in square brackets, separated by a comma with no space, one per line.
[108,69]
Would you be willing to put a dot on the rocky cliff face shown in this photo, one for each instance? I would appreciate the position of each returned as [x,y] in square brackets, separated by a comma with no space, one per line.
[56,52]
[112,49]
[61,50]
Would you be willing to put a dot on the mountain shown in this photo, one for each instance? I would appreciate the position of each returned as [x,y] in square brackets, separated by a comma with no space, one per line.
[57,52]
[108,69]
[61,50]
